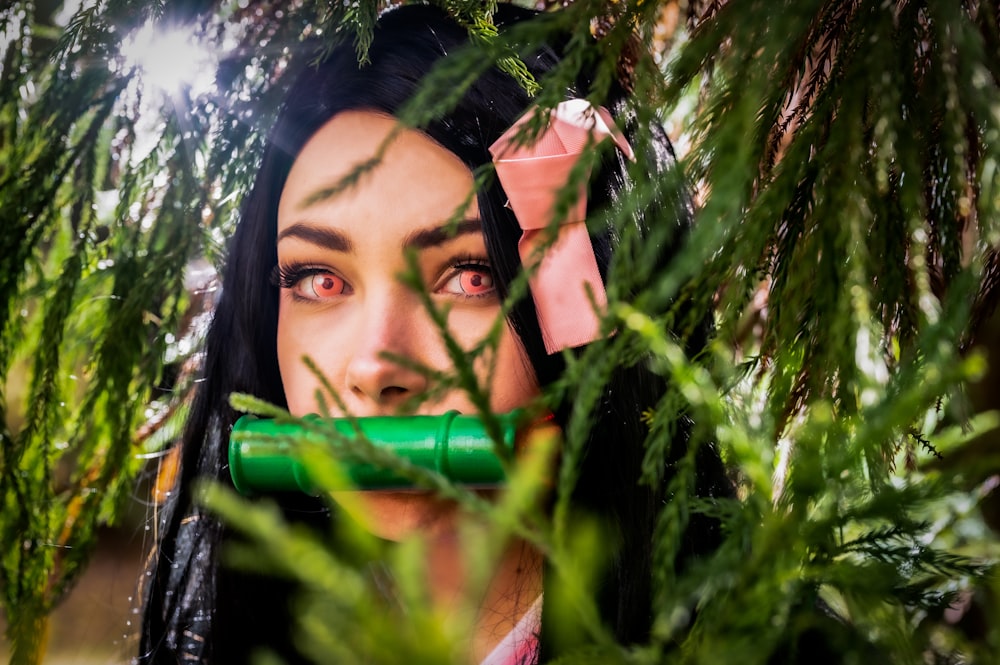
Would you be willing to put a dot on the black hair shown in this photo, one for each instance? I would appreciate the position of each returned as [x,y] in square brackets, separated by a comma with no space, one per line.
[195,608]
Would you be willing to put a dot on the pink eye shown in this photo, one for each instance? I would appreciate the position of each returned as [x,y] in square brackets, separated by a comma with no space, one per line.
[323,285]
[475,282]
[305,282]
[470,281]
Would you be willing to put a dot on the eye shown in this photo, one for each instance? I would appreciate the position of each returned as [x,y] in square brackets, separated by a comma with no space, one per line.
[470,280]
[322,285]
[311,283]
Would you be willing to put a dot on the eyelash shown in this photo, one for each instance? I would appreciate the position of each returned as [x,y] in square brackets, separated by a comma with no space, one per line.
[469,261]
[287,276]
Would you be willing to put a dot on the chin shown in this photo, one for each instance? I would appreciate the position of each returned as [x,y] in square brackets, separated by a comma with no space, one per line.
[397,514]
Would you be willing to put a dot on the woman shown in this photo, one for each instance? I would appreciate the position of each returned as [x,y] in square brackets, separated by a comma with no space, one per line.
[312,272]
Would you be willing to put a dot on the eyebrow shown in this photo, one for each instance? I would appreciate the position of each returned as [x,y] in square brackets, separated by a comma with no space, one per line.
[439,235]
[319,235]
[338,241]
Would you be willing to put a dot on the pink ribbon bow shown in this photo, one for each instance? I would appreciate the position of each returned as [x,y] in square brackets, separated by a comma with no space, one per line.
[532,175]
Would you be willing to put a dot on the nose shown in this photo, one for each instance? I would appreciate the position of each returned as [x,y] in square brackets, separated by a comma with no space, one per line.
[383,371]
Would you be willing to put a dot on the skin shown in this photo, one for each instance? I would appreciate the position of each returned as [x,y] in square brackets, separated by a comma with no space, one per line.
[343,305]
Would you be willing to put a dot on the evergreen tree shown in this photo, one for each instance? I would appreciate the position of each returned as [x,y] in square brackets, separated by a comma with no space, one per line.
[846,160]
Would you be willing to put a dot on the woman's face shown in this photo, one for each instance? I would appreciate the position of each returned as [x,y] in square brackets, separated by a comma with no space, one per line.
[340,257]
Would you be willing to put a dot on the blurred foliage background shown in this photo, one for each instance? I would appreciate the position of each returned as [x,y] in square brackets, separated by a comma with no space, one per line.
[845,159]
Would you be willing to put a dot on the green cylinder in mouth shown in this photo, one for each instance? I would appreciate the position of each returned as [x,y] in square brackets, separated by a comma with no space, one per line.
[263,459]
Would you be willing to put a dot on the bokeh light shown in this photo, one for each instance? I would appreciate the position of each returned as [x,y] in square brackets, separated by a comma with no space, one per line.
[170,59]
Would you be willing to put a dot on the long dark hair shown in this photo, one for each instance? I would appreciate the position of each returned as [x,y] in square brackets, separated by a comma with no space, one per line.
[196,608]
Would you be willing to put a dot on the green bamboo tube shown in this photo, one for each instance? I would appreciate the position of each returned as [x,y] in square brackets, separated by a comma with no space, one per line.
[262,458]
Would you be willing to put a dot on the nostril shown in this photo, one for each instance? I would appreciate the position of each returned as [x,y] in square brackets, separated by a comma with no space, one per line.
[391,392]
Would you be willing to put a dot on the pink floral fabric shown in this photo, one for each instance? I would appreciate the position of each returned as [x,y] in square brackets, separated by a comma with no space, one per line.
[520,645]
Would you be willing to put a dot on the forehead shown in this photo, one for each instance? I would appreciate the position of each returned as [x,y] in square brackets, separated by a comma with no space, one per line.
[416,180]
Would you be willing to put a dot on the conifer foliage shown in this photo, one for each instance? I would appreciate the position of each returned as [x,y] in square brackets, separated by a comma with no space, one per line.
[844,159]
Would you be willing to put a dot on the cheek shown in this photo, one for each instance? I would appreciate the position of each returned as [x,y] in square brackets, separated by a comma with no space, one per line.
[289,364]
[513,383]
[506,373]
[297,338]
